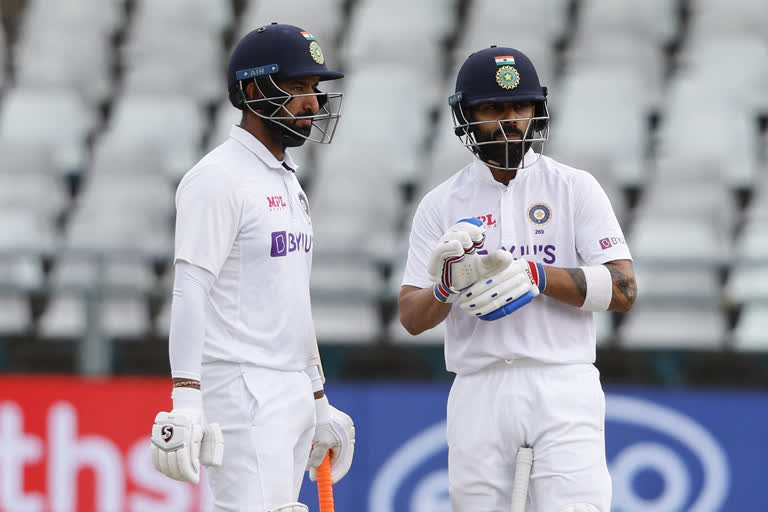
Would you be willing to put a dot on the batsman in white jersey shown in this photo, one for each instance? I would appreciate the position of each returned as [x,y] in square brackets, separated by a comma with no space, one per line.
[248,396]
[515,252]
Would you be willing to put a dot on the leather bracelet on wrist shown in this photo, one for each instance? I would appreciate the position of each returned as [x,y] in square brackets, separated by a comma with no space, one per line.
[187,384]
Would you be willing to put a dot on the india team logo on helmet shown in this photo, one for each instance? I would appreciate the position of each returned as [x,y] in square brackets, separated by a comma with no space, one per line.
[507,77]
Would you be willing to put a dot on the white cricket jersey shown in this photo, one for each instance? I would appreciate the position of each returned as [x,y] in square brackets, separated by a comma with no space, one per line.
[550,213]
[242,215]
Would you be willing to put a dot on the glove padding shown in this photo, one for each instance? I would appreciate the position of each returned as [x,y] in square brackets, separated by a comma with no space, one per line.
[337,434]
[453,264]
[180,443]
[512,286]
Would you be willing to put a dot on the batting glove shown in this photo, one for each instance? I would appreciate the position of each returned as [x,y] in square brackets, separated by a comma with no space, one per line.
[515,284]
[453,264]
[335,431]
[180,441]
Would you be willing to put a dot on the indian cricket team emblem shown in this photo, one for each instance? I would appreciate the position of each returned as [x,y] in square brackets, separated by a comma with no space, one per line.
[507,77]
[316,52]
[539,213]
[304,202]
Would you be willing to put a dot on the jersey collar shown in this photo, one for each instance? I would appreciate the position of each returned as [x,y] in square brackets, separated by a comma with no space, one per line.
[256,147]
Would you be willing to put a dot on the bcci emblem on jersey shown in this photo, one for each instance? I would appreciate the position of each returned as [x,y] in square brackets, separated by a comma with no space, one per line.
[304,202]
[539,213]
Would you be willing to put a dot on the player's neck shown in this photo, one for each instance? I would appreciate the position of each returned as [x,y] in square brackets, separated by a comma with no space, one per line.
[258,129]
[503,176]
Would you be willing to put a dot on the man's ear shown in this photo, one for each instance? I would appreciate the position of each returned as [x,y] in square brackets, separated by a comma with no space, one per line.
[251,92]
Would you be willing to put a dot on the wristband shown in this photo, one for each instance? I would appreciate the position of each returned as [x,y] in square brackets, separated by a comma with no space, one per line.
[599,288]
[442,294]
[314,376]
[538,276]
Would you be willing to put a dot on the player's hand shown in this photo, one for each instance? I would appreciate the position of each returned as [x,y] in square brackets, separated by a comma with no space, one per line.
[180,442]
[514,284]
[453,264]
[335,431]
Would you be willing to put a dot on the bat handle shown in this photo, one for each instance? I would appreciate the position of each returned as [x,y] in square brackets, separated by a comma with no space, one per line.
[325,485]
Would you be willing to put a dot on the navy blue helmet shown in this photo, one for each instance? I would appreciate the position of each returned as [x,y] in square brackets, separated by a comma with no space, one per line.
[270,54]
[499,75]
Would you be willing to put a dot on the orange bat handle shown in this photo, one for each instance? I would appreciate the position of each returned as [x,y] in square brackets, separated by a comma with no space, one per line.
[325,485]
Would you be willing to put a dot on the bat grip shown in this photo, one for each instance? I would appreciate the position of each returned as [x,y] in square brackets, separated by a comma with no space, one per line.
[325,485]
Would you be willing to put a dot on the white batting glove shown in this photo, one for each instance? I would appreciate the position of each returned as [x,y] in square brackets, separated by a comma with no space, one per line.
[335,431]
[512,286]
[180,442]
[453,264]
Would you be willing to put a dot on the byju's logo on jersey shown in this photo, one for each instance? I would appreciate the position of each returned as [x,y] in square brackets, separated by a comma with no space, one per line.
[607,243]
[275,203]
[539,213]
[284,243]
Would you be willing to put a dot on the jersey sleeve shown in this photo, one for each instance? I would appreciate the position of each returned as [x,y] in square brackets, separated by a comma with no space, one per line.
[599,238]
[425,232]
[207,220]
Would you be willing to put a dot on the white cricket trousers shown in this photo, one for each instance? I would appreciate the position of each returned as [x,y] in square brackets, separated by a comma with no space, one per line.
[267,418]
[559,410]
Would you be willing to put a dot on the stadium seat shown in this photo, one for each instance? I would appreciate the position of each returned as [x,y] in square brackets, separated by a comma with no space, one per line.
[41,60]
[680,283]
[323,19]
[65,317]
[25,237]
[708,200]
[162,131]
[125,317]
[746,283]
[663,327]
[42,194]
[734,18]
[655,21]
[23,108]
[371,41]
[353,322]
[112,276]
[15,316]
[200,18]
[658,239]
[586,115]
[751,331]
[341,277]
[687,131]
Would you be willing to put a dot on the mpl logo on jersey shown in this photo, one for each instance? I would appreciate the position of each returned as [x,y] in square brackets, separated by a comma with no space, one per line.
[284,243]
[276,203]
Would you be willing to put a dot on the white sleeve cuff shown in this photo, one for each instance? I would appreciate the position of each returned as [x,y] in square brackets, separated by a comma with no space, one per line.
[191,286]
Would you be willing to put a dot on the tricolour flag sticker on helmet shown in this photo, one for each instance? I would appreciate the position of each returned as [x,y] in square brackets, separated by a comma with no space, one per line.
[308,36]
[505,60]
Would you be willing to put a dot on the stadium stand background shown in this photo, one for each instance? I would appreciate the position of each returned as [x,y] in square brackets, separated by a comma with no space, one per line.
[104,104]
